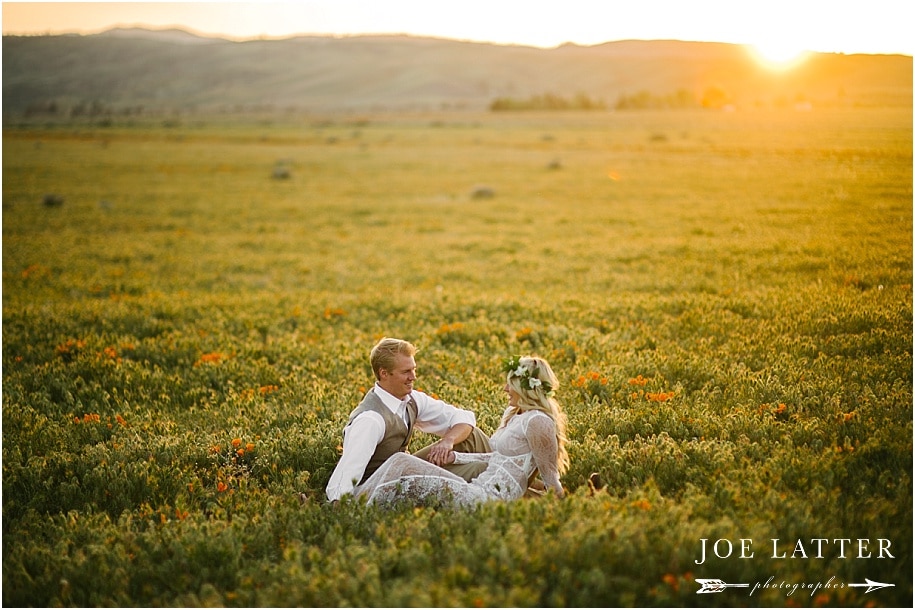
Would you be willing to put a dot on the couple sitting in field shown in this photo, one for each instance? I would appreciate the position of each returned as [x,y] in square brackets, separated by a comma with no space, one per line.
[464,466]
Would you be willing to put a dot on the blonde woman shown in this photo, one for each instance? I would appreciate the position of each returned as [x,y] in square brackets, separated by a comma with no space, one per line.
[530,438]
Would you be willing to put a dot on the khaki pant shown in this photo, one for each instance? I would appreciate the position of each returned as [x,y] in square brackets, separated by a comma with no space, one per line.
[477,442]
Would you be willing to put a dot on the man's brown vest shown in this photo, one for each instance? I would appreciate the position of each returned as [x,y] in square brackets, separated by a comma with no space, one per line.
[396,433]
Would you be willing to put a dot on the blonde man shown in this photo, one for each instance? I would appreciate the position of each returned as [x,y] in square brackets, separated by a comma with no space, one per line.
[383,423]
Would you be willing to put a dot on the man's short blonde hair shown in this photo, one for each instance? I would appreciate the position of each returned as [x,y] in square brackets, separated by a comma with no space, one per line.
[385,353]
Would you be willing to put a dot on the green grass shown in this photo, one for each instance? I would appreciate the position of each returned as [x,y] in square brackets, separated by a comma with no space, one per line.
[755,269]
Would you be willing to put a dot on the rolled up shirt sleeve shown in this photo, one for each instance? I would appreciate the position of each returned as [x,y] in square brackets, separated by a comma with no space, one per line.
[437,416]
[360,439]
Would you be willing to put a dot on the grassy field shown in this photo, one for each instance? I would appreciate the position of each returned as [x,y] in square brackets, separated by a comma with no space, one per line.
[726,297]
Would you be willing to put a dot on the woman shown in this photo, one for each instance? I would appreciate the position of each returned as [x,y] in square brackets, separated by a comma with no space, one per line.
[530,437]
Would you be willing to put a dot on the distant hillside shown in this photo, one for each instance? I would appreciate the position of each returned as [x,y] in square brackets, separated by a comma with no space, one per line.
[138,70]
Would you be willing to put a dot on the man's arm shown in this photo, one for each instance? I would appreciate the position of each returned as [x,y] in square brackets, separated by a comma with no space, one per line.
[360,439]
[442,419]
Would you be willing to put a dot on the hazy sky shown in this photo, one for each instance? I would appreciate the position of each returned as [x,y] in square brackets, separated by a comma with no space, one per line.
[781,26]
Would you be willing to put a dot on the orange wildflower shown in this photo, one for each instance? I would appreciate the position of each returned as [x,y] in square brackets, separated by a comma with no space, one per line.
[639,380]
[221,487]
[210,358]
[671,581]
[36,270]
[659,396]
[236,442]
[449,328]
[524,333]
[71,346]
[249,447]
[333,312]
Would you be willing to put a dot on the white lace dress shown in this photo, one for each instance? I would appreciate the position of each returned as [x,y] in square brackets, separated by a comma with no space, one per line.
[526,442]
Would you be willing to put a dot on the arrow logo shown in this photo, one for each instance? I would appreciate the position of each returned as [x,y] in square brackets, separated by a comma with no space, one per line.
[871,585]
[715,585]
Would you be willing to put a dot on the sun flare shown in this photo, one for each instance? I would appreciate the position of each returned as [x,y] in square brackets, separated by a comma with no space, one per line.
[778,55]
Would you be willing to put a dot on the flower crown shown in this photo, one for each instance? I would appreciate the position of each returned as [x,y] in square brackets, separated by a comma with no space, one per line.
[528,373]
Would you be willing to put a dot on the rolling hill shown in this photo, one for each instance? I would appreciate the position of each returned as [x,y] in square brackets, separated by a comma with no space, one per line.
[140,70]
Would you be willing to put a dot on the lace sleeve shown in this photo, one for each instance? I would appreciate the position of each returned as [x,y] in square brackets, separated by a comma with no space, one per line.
[467,458]
[541,434]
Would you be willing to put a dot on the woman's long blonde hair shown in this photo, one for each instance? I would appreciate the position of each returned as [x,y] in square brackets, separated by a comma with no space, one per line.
[535,386]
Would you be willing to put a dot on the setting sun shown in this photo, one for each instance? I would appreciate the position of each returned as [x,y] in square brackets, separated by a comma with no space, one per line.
[778,55]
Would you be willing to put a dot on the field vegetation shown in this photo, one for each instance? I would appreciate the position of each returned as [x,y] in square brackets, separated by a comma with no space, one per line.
[188,310]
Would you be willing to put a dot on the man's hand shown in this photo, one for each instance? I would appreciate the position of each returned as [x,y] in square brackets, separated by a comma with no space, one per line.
[441,451]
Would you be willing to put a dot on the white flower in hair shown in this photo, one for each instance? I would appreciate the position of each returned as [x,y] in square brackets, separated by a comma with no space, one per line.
[527,375]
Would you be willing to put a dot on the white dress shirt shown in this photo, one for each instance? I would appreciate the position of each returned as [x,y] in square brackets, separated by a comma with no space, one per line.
[361,437]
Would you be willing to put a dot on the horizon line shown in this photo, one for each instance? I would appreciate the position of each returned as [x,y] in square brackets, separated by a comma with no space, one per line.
[278,38]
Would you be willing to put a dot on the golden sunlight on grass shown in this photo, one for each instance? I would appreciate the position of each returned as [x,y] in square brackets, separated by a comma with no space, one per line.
[725,296]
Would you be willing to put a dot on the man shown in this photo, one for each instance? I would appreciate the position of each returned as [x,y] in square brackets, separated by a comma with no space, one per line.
[384,421]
